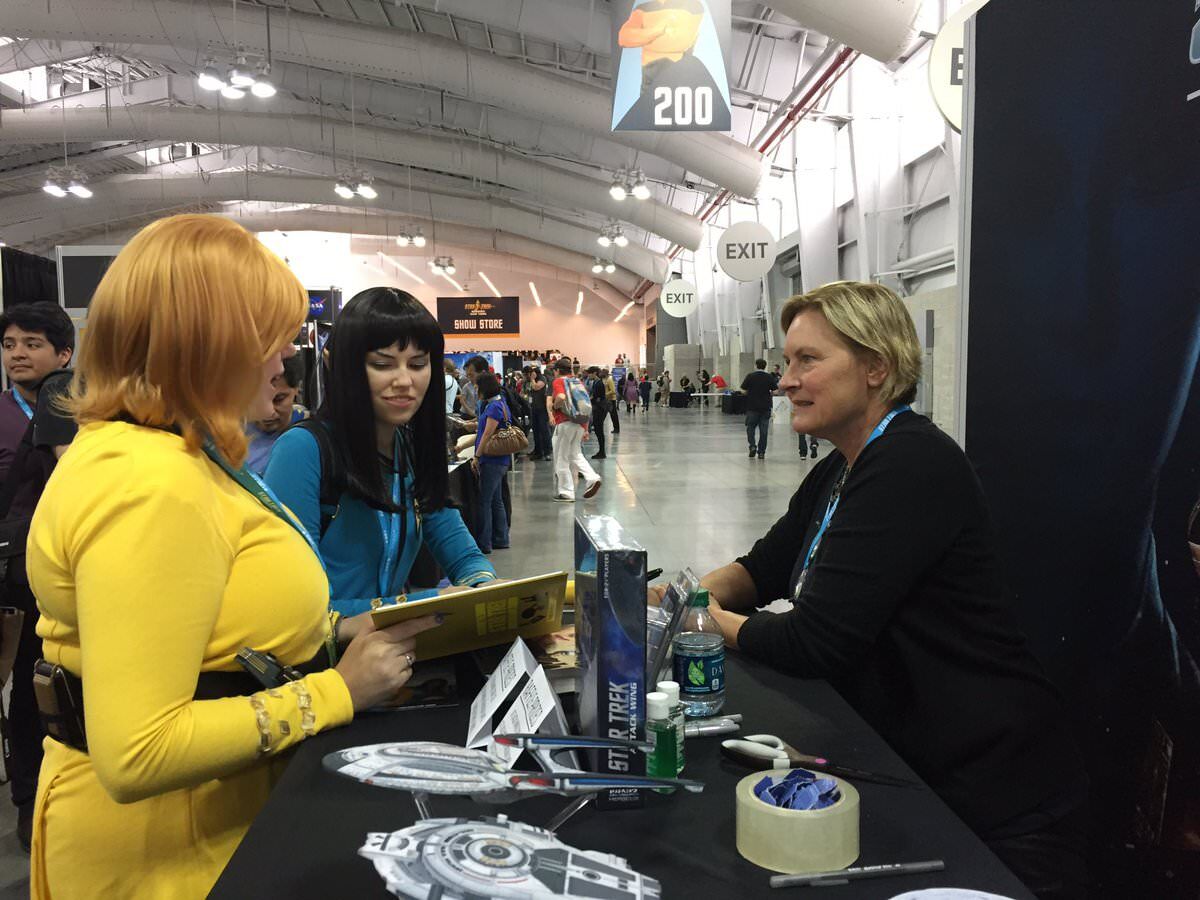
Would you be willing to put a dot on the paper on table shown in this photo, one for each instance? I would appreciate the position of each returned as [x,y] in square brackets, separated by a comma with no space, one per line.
[536,706]
[517,663]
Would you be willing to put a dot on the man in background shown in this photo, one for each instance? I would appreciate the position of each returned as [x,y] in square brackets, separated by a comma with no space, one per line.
[610,395]
[287,412]
[450,379]
[759,388]
[469,396]
[38,341]
[599,397]
[568,439]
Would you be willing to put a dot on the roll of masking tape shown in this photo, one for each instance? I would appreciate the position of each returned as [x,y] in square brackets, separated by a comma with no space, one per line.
[795,841]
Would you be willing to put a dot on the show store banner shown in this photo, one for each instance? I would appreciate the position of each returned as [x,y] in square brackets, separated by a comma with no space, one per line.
[671,59]
[1083,397]
[479,316]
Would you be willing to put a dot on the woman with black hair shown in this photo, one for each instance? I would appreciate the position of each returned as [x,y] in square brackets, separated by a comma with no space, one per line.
[494,413]
[386,433]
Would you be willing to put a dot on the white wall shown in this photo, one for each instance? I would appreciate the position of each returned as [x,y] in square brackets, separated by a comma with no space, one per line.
[323,259]
[859,192]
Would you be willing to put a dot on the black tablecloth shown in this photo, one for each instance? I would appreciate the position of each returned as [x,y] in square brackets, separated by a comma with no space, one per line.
[304,842]
[733,404]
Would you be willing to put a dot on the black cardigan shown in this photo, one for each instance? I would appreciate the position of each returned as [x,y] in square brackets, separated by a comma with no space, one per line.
[905,614]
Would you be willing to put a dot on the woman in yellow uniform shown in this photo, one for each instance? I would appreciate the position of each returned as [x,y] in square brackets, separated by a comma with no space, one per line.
[155,558]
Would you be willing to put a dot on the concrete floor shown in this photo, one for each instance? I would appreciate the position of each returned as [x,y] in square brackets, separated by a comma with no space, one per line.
[678,480]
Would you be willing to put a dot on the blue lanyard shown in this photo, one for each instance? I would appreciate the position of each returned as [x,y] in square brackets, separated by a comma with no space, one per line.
[258,488]
[836,497]
[390,525]
[23,403]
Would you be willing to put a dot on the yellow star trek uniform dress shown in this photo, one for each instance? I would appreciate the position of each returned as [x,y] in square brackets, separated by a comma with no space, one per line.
[151,565]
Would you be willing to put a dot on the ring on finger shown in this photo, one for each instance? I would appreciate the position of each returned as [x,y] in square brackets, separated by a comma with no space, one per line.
[409,658]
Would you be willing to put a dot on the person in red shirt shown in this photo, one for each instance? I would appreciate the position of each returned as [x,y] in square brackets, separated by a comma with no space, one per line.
[569,461]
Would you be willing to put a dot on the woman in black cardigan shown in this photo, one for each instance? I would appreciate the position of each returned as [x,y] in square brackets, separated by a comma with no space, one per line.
[887,557]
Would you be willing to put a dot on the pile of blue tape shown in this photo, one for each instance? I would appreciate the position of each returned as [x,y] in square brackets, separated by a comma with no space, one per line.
[799,789]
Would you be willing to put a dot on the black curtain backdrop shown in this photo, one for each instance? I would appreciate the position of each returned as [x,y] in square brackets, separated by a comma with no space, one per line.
[27,278]
[1083,417]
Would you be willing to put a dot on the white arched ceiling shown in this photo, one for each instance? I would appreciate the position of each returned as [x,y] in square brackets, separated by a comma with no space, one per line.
[37,215]
[542,260]
[382,53]
[315,135]
[377,102]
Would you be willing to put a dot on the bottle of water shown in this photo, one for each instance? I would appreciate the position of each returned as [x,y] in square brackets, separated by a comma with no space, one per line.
[700,660]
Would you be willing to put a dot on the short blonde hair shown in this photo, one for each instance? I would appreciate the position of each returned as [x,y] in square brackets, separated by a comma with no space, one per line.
[871,319]
[179,329]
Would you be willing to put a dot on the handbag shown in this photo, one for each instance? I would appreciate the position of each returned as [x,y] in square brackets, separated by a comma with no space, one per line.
[505,440]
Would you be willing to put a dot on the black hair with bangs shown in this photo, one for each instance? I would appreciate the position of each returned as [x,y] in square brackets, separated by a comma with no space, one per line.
[372,320]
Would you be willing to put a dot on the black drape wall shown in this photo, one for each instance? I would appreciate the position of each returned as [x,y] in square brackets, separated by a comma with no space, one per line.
[1082,408]
[25,278]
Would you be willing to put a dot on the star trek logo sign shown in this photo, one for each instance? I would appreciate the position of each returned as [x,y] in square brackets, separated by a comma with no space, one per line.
[479,316]
[671,65]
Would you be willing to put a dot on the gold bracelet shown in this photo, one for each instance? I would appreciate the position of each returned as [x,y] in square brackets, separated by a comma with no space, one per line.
[308,719]
[262,719]
[331,644]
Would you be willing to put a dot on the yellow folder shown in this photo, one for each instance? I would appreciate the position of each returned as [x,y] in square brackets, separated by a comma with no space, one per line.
[494,613]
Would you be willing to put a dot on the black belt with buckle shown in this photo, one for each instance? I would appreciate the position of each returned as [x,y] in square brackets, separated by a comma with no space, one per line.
[60,695]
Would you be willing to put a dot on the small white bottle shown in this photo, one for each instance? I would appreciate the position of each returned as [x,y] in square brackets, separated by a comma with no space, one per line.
[671,689]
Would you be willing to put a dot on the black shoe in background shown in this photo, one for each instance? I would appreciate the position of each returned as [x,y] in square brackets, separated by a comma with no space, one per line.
[752,453]
[599,456]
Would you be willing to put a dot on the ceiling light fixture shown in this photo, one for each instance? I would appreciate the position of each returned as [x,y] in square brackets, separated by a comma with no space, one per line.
[403,238]
[533,290]
[209,79]
[603,239]
[419,238]
[262,87]
[621,314]
[488,282]
[610,267]
[232,92]
[343,190]
[597,266]
[641,190]
[618,237]
[240,74]
[579,304]
[65,180]
[365,188]
[617,189]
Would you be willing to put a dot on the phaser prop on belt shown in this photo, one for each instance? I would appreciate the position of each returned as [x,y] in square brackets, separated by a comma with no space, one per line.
[429,767]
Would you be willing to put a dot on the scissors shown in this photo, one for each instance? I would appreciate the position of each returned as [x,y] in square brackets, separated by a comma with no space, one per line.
[765,751]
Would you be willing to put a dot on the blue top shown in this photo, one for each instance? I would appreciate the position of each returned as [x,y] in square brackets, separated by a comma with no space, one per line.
[353,547]
[261,442]
[495,409]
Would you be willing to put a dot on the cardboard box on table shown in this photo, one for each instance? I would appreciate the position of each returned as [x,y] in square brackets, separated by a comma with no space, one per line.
[610,632]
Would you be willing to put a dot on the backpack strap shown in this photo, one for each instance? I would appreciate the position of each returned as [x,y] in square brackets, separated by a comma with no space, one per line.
[333,473]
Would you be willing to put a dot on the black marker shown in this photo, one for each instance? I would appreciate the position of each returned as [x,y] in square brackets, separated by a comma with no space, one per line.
[828,879]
